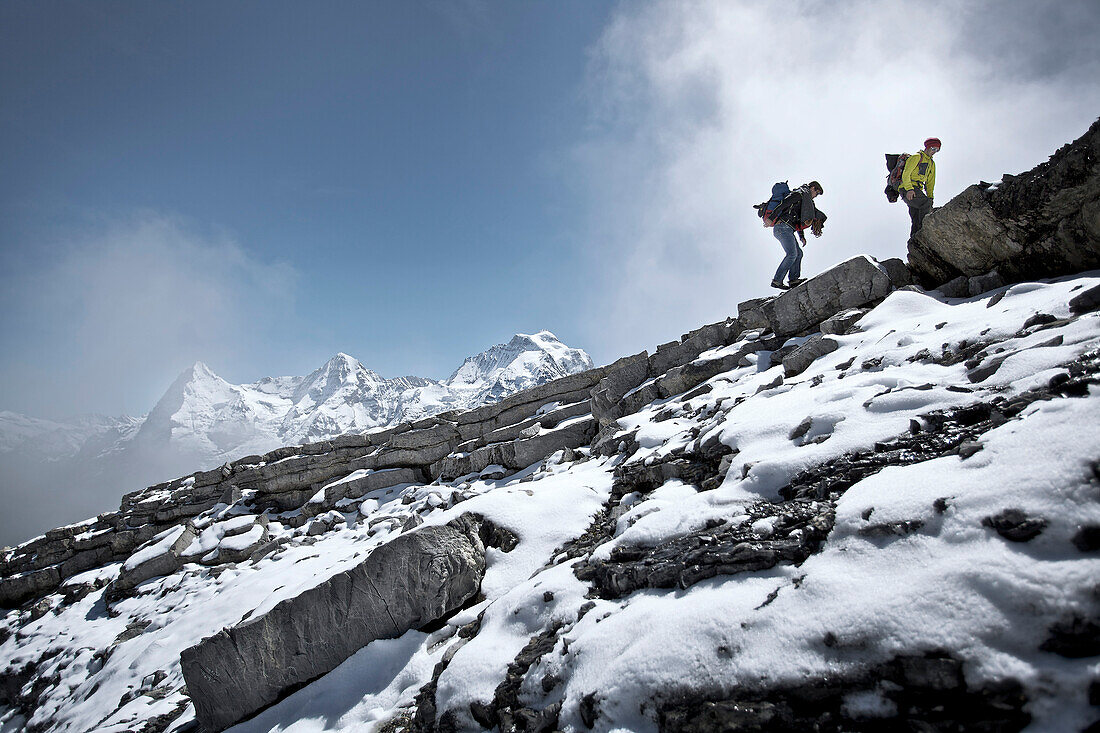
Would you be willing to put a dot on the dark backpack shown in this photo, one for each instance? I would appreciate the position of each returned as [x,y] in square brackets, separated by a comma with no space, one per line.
[789,204]
[895,164]
[768,211]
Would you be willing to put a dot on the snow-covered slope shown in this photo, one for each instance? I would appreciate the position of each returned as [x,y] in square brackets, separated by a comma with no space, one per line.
[902,536]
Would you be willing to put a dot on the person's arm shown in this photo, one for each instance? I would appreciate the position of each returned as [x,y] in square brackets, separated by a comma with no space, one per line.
[930,184]
[807,212]
[908,171]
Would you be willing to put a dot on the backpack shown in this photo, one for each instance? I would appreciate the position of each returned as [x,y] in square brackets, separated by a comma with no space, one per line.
[768,211]
[895,164]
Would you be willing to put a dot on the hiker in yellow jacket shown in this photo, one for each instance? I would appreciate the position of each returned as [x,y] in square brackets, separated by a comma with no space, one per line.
[918,181]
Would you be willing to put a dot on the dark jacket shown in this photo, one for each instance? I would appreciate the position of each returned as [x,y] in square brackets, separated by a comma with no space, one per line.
[797,209]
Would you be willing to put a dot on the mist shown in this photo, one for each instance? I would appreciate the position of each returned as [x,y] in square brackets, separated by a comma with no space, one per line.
[101,319]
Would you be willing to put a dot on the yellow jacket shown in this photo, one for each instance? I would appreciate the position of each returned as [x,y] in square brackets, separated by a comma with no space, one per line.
[919,172]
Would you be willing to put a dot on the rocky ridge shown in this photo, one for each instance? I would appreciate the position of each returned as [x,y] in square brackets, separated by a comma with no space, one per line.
[683,485]
[1042,223]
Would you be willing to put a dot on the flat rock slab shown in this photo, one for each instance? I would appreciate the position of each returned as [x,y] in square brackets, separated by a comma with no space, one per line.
[851,284]
[417,578]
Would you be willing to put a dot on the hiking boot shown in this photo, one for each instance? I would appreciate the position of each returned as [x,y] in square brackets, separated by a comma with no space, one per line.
[778,284]
[797,281]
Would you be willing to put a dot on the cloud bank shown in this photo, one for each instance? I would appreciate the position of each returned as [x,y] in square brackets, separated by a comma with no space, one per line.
[112,315]
[698,107]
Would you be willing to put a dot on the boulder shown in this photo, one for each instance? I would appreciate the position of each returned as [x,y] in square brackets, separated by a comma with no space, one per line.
[417,578]
[682,378]
[898,272]
[958,287]
[799,359]
[1085,302]
[843,321]
[851,284]
[622,376]
[984,283]
[750,313]
[1043,223]
[163,557]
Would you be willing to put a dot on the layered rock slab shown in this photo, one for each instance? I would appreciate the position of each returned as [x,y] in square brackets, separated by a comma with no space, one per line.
[417,578]
[851,284]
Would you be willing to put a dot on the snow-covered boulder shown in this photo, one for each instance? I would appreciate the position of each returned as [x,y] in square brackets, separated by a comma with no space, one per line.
[403,584]
[162,556]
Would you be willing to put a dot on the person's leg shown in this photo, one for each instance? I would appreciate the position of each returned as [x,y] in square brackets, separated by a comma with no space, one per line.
[918,209]
[785,234]
[795,270]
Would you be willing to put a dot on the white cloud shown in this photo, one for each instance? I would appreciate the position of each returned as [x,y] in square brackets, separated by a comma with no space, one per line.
[122,310]
[698,107]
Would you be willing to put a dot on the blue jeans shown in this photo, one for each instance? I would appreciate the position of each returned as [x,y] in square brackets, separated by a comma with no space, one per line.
[792,261]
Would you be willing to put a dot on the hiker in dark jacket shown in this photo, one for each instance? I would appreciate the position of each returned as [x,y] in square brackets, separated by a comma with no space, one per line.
[918,181]
[793,216]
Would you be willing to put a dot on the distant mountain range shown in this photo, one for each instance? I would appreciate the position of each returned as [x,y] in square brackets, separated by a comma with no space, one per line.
[203,421]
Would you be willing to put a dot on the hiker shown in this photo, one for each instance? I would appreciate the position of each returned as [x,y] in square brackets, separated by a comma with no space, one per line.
[918,180]
[792,216]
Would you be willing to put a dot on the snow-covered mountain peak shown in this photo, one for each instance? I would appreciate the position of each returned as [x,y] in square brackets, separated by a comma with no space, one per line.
[340,375]
[526,360]
[203,421]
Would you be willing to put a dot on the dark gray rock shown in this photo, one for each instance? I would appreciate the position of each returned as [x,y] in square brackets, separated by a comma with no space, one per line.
[417,578]
[750,313]
[984,283]
[678,353]
[1087,538]
[16,589]
[796,531]
[1085,302]
[922,691]
[1015,525]
[1075,636]
[958,287]
[547,419]
[1043,223]
[536,445]
[440,432]
[900,528]
[898,272]
[843,322]
[622,376]
[799,359]
[573,433]
[373,480]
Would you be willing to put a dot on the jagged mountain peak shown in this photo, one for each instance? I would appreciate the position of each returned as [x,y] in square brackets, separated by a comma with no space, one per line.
[522,362]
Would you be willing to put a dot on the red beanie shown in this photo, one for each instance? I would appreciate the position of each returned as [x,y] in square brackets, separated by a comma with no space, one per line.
[932,142]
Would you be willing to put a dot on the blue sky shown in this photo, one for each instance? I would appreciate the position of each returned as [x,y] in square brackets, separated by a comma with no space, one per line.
[261,185]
